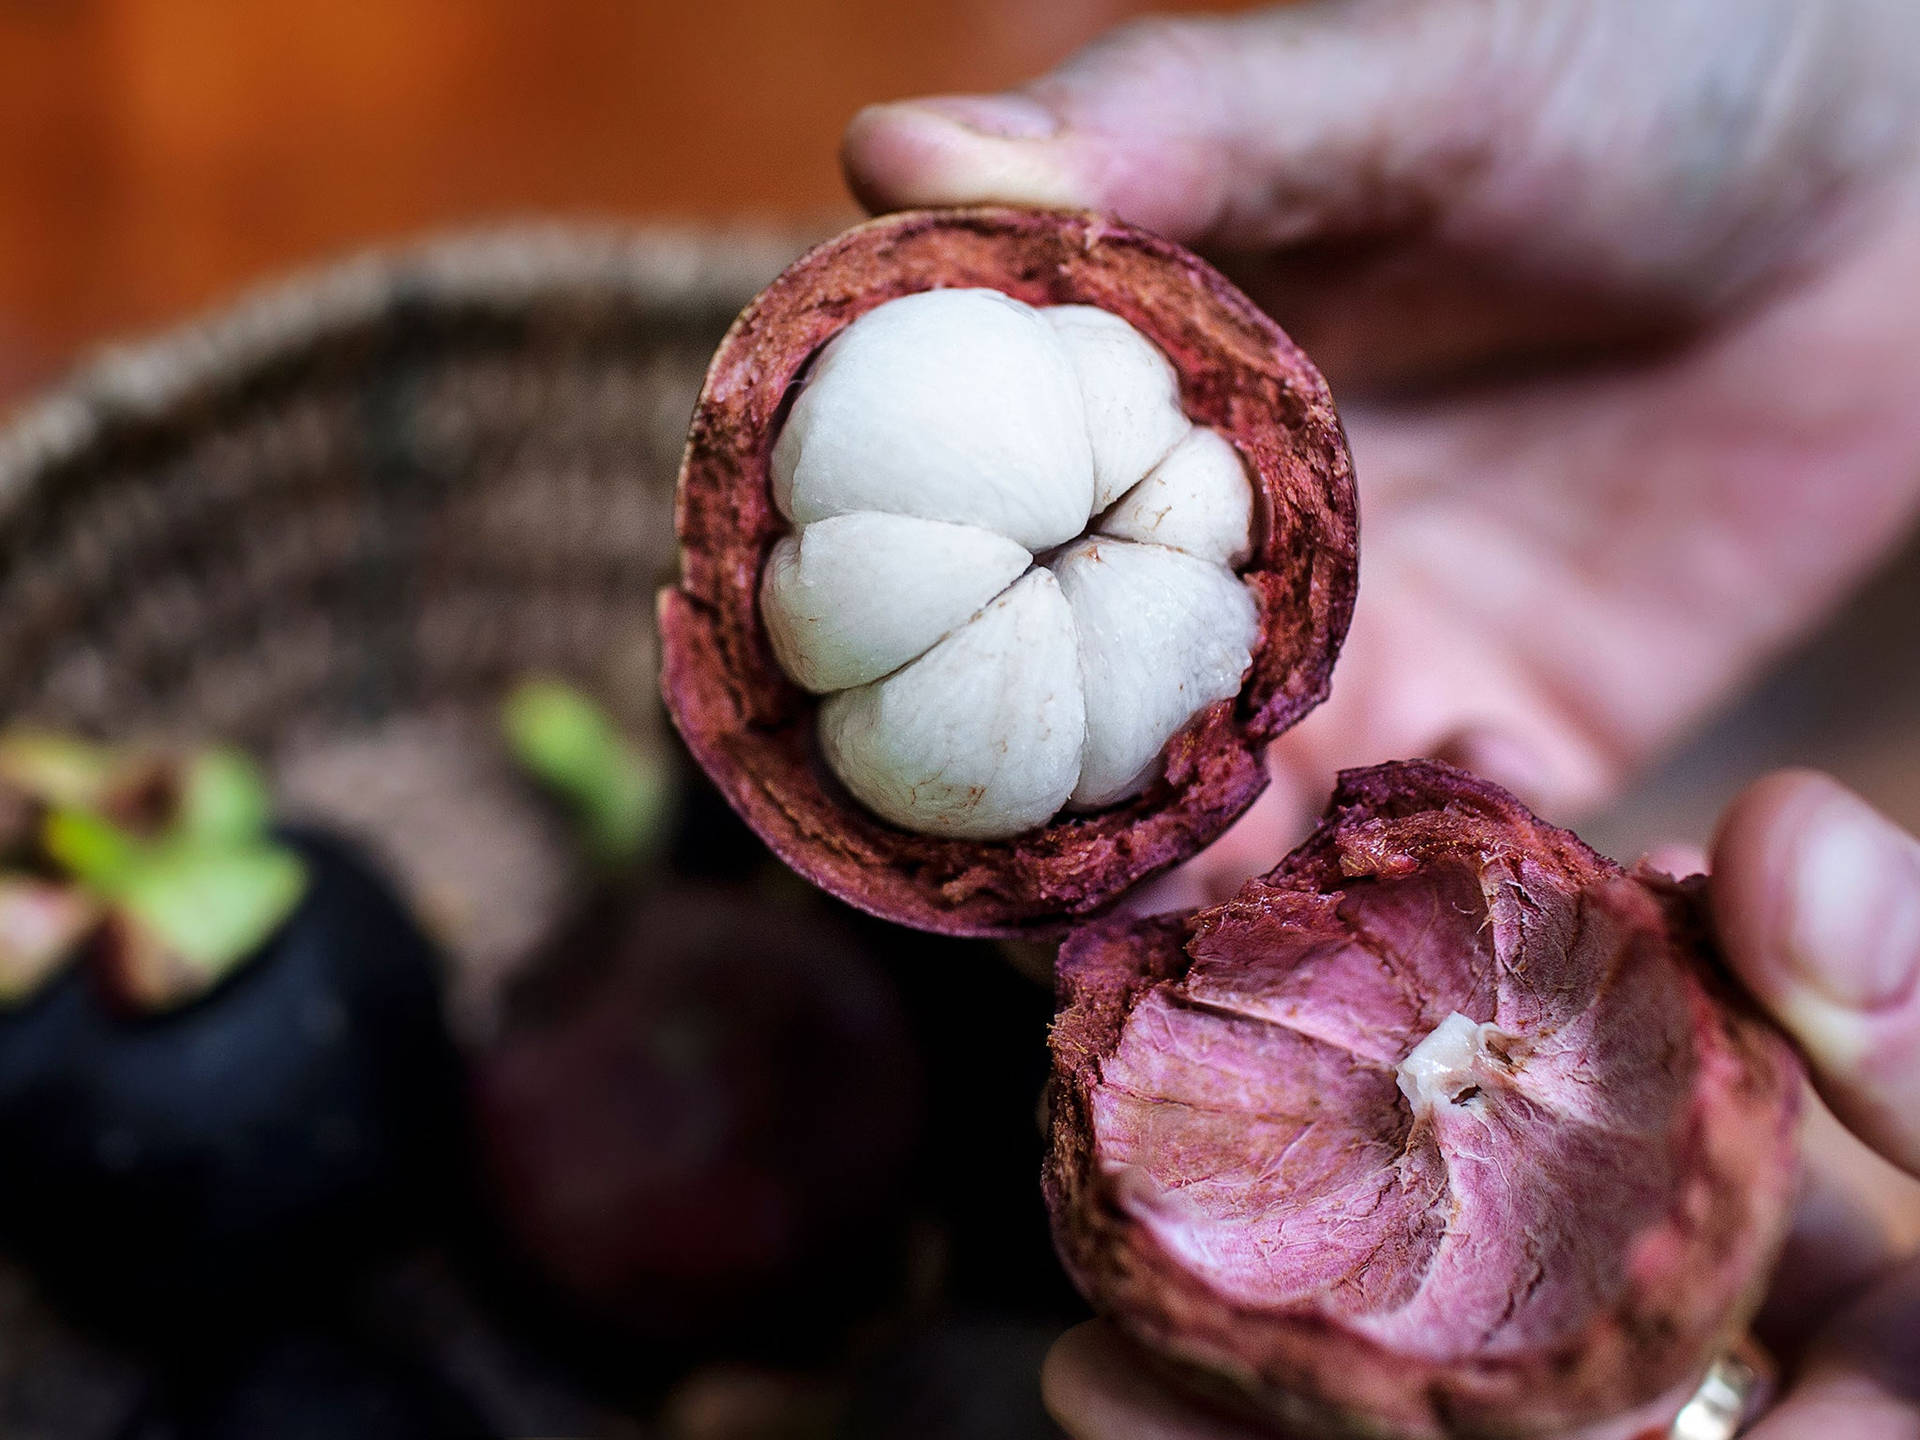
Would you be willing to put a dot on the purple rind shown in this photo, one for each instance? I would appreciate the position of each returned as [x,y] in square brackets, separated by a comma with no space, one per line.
[751,728]
[1696,1268]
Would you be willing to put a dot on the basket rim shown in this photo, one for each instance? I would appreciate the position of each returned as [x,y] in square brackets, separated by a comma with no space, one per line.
[501,268]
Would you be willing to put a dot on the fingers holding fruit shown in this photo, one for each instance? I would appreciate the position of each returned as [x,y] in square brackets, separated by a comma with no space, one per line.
[1817,900]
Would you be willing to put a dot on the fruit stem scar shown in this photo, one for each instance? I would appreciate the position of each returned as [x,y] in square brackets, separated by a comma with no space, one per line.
[1448,1066]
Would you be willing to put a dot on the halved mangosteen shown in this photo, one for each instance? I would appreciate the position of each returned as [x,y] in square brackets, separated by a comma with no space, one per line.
[1010,538]
[1446,1127]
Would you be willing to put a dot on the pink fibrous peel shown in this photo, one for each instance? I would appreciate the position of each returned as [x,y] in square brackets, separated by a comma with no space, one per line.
[1561,1217]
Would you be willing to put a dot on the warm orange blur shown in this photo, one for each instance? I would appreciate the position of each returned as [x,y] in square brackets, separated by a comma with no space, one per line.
[156,153]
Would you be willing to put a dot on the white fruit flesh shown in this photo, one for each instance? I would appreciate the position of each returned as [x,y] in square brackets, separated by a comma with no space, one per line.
[978,738]
[1446,1067]
[1162,636]
[1196,500]
[852,597]
[981,673]
[1131,396]
[954,405]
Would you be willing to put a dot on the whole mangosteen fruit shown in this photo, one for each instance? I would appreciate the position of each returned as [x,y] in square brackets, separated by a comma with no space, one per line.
[700,1126]
[189,1168]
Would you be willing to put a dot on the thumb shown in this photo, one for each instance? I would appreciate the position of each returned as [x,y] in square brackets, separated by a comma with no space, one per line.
[1388,178]
[1236,132]
[1426,183]
[1816,897]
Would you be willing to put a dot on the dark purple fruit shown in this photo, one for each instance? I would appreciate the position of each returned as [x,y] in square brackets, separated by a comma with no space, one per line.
[703,1135]
[308,1386]
[200,1166]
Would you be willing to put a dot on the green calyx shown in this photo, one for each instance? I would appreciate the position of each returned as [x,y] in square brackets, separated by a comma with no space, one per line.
[181,897]
[223,798]
[55,769]
[621,797]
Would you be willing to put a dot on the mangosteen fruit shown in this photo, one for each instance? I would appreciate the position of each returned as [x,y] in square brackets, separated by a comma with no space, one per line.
[238,1084]
[700,1127]
[1448,1126]
[977,1214]
[1009,539]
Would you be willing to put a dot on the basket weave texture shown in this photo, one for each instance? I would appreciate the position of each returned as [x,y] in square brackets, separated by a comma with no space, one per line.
[335,523]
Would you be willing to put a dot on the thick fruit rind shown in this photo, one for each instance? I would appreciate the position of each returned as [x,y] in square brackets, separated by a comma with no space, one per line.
[1698,1269]
[752,729]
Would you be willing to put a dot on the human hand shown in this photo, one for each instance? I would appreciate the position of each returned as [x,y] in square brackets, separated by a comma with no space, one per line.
[1816,901]
[1619,302]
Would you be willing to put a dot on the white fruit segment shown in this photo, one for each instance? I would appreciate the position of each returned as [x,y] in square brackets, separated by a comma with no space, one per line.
[1162,635]
[940,439]
[1131,394]
[956,405]
[1197,500]
[1448,1065]
[978,739]
[852,597]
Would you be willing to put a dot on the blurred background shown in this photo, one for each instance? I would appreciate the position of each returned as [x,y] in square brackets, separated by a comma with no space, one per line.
[337,532]
[158,157]
[155,157]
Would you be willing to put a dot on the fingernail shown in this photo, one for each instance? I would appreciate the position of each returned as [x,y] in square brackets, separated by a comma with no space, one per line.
[1509,762]
[1001,117]
[1853,907]
[1678,858]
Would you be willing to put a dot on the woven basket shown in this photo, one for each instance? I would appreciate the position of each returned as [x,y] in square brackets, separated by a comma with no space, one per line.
[335,522]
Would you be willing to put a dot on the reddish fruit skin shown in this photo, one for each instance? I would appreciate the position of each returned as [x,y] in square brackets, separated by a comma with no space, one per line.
[1690,1272]
[752,730]
[704,1138]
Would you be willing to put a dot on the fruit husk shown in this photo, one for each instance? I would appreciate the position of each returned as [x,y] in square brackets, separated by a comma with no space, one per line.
[699,1130]
[1699,1266]
[752,729]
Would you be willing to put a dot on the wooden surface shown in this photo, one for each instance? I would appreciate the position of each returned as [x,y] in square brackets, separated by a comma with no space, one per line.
[155,154]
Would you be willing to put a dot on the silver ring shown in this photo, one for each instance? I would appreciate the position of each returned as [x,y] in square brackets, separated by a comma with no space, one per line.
[1736,1389]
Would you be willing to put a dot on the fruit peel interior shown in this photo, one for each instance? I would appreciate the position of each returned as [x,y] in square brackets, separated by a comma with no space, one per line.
[1446,1126]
